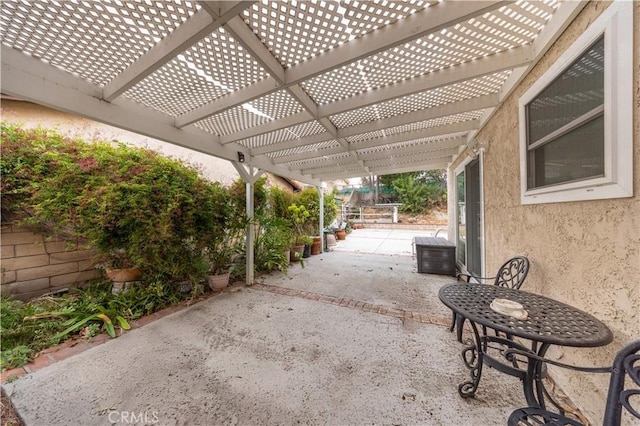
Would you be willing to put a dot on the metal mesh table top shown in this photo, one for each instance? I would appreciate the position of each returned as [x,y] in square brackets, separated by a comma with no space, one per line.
[549,321]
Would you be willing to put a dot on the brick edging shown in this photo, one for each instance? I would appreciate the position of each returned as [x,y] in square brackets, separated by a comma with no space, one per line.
[356,304]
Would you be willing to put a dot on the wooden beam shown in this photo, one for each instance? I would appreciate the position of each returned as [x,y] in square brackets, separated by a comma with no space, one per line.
[427,21]
[453,108]
[34,80]
[448,76]
[190,32]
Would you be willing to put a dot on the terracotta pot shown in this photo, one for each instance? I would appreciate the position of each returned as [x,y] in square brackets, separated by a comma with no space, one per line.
[341,234]
[123,275]
[315,247]
[218,282]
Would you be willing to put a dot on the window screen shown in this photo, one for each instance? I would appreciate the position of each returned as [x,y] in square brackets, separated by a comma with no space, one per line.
[565,124]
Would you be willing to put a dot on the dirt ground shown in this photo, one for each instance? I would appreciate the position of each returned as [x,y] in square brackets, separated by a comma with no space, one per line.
[8,413]
[433,217]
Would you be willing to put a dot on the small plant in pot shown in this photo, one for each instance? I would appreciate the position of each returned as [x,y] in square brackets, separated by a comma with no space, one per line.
[341,232]
[120,270]
[221,257]
[224,250]
[273,244]
[307,241]
[222,253]
[299,216]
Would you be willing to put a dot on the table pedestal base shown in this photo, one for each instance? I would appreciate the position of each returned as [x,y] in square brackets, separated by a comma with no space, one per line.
[476,354]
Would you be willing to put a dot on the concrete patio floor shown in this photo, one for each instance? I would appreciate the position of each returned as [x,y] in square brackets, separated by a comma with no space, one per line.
[282,352]
[395,241]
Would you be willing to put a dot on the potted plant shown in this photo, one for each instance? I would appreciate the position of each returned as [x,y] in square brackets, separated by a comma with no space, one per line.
[341,232]
[297,251]
[299,216]
[220,256]
[223,249]
[316,246]
[307,241]
[118,267]
[273,244]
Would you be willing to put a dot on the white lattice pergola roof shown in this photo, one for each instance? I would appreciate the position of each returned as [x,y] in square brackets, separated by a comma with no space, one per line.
[310,90]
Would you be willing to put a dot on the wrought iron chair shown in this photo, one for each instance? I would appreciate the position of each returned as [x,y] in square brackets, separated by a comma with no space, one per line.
[511,274]
[626,363]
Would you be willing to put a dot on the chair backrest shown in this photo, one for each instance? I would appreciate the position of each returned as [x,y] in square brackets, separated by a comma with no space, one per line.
[625,366]
[513,272]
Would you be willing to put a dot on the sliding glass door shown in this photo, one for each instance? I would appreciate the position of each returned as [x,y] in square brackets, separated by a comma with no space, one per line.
[468,218]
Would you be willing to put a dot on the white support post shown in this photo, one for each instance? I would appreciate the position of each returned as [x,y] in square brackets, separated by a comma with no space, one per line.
[395,214]
[250,230]
[250,176]
[321,224]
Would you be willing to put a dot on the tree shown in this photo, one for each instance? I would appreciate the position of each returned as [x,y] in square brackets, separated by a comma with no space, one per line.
[413,195]
[418,191]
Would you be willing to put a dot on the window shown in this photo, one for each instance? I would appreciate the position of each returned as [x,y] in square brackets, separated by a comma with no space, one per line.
[576,121]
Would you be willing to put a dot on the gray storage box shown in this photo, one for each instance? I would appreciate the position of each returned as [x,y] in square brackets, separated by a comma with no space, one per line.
[435,256]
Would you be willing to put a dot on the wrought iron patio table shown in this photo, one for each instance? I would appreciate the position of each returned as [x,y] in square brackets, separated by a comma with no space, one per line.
[549,322]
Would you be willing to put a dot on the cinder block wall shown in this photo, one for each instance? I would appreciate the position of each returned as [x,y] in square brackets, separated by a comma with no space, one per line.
[34,264]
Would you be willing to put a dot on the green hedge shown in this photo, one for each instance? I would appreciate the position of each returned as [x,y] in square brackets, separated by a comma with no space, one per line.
[138,208]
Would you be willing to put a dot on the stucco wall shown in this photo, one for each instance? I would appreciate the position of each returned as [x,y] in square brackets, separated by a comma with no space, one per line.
[587,253]
[30,115]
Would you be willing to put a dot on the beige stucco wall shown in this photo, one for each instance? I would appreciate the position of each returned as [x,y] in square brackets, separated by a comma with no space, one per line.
[586,254]
[30,115]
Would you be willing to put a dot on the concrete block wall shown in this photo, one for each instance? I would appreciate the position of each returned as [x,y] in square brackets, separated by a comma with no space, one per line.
[34,264]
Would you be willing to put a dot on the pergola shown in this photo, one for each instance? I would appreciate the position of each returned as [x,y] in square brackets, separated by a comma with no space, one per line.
[309,90]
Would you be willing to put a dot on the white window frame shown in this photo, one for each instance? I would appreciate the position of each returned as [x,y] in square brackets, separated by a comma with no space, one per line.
[616,23]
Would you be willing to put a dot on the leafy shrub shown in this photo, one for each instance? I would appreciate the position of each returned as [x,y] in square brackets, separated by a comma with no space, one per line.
[427,190]
[27,328]
[274,237]
[238,193]
[300,216]
[310,200]
[279,202]
[420,192]
[135,206]
[413,195]
[138,208]
[17,333]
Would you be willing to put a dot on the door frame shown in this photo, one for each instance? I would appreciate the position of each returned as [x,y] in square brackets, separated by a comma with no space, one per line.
[459,169]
